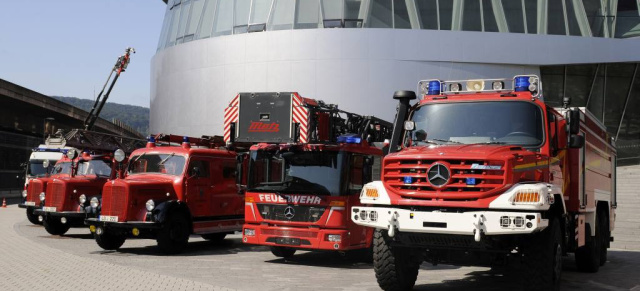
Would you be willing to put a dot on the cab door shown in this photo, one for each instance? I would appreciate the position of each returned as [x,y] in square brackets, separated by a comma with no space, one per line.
[199,186]
[227,201]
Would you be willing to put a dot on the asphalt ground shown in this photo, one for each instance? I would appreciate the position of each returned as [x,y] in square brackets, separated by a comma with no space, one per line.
[31,259]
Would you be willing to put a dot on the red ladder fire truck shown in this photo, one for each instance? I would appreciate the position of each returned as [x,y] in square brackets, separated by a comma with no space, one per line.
[306,170]
[69,199]
[171,191]
[491,175]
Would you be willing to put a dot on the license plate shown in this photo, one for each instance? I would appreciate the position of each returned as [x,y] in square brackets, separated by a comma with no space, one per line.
[49,209]
[292,241]
[30,203]
[108,218]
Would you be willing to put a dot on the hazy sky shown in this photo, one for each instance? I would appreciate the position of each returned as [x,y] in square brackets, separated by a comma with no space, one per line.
[67,47]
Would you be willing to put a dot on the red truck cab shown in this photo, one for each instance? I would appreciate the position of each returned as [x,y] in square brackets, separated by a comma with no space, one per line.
[300,196]
[170,192]
[35,189]
[68,199]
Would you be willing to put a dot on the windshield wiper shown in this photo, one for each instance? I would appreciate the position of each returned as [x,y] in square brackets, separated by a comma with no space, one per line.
[137,158]
[492,142]
[443,140]
[165,159]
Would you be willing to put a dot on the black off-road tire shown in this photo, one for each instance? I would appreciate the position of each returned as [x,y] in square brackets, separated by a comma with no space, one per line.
[174,235]
[283,252]
[542,259]
[32,217]
[55,227]
[109,241]
[396,268]
[214,237]
[603,222]
[588,256]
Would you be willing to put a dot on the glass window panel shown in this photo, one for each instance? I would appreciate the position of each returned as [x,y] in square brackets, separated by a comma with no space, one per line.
[241,16]
[224,18]
[531,8]
[490,23]
[165,28]
[593,9]
[574,28]
[513,14]
[555,18]
[471,16]
[184,16]
[628,143]
[380,14]
[428,11]
[552,79]
[196,15]
[307,14]
[332,9]
[595,101]
[282,15]
[618,81]
[627,19]
[401,17]
[352,9]
[260,11]
[207,19]
[579,79]
[446,14]
[174,26]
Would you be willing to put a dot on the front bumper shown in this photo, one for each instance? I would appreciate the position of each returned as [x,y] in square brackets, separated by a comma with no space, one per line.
[130,228]
[28,205]
[298,237]
[474,223]
[74,218]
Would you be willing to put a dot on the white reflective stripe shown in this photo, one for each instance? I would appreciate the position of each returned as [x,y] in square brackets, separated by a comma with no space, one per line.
[602,195]
[332,209]
[252,210]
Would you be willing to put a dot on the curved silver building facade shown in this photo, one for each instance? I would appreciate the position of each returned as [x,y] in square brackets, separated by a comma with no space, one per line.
[358,52]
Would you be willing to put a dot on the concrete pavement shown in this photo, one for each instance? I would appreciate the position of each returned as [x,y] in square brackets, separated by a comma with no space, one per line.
[32,259]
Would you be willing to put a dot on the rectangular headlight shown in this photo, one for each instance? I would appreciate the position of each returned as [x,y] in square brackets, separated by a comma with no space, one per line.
[249,232]
[334,238]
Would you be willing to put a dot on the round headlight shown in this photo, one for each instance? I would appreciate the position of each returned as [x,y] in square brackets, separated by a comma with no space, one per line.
[71,154]
[24,193]
[45,163]
[119,155]
[95,202]
[42,196]
[82,199]
[150,205]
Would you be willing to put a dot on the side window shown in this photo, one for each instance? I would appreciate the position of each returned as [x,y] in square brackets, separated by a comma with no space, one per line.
[202,167]
[229,170]
[356,174]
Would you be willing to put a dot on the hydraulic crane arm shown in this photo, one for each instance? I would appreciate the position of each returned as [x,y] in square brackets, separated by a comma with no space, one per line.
[119,67]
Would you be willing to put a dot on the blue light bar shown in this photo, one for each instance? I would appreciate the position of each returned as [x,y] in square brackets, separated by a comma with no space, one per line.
[434,88]
[151,139]
[50,150]
[185,139]
[522,84]
[408,180]
[349,138]
[471,181]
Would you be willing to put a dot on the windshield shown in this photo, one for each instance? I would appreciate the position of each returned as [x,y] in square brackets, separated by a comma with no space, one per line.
[62,168]
[170,164]
[37,170]
[318,173]
[517,123]
[94,167]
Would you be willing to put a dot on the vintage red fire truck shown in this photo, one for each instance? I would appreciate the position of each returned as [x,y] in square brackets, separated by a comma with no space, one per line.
[305,172]
[69,199]
[171,191]
[490,175]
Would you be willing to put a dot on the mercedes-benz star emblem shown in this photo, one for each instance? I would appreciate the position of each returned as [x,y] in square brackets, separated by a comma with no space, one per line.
[438,175]
[289,213]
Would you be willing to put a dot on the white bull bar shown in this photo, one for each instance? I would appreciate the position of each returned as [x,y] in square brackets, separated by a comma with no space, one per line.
[476,223]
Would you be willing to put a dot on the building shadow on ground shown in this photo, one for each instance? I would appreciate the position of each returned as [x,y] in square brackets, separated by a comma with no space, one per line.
[194,248]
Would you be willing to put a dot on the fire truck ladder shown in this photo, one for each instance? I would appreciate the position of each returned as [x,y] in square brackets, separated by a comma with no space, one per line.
[95,141]
[119,67]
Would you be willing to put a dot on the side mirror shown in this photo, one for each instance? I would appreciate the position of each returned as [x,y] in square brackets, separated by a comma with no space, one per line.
[566,101]
[576,141]
[574,121]
[420,135]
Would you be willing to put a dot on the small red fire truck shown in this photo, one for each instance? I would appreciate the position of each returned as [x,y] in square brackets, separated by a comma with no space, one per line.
[305,172]
[71,199]
[488,175]
[171,191]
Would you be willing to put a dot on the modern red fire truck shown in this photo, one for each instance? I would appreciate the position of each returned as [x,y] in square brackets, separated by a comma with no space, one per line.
[305,172]
[72,198]
[490,175]
[171,191]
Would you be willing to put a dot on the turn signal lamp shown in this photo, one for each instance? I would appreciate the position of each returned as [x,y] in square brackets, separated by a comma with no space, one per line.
[349,138]
[526,197]
[249,199]
[337,203]
[371,192]
[135,232]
